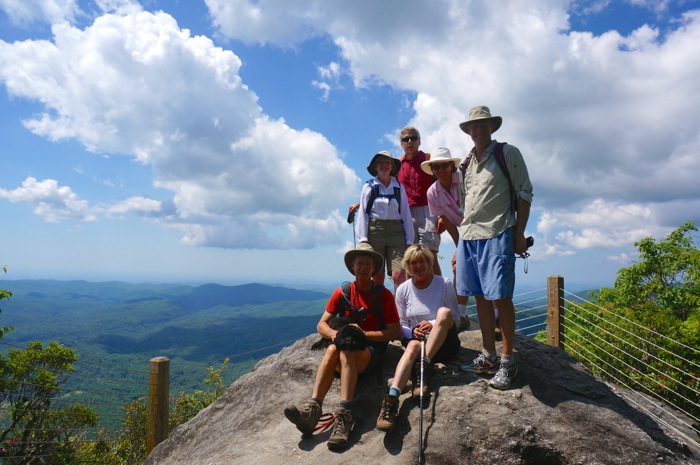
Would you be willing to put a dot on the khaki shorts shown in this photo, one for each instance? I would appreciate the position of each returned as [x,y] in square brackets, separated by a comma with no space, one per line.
[389,239]
[425,228]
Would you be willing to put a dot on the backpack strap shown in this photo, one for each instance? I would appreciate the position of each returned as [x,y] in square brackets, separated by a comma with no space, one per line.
[374,193]
[346,308]
[397,195]
[464,165]
[501,160]
[345,289]
[378,289]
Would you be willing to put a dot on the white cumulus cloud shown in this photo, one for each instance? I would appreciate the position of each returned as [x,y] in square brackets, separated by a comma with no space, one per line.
[134,83]
[25,12]
[51,201]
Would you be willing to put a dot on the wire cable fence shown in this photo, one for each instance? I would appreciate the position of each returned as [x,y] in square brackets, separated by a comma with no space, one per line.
[530,311]
[655,372]
[659,374]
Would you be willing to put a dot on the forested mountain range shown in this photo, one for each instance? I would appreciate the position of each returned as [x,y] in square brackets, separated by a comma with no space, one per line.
[117,327]
[152,318]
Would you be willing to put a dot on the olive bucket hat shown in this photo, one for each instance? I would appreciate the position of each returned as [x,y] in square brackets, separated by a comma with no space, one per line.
[481,113]
[364,248]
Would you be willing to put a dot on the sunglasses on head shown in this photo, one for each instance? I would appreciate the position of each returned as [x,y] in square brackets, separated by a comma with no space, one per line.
[440,166]
[410,138]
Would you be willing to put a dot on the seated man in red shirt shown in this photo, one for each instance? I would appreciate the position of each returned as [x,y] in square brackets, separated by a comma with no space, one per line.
[372,305]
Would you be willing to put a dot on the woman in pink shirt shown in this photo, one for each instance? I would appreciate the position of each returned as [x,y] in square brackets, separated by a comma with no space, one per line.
[443,202]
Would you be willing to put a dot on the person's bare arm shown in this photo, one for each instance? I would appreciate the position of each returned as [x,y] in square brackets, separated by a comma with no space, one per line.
[324,329]
[391,332]
[522,215]
[451,228]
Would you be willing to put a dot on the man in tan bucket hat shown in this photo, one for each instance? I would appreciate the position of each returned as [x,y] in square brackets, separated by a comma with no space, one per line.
[496,194]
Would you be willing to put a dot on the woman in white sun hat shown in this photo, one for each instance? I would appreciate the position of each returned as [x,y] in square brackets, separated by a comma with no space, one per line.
[443,203]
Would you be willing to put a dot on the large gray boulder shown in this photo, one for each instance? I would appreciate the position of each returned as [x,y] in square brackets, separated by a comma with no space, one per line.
[556,413]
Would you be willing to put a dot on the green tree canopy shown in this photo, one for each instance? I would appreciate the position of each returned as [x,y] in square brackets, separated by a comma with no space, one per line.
[665,276]
[644,332]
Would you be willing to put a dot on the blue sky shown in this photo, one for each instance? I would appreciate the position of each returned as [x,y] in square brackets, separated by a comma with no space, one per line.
[223,140]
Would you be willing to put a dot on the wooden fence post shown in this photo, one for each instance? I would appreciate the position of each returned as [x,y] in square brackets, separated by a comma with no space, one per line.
[158,402]
[555,311]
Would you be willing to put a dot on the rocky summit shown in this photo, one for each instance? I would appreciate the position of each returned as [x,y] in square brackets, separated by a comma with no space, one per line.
[555,413]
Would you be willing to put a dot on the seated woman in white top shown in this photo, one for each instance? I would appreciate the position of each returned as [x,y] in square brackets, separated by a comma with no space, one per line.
[427,306]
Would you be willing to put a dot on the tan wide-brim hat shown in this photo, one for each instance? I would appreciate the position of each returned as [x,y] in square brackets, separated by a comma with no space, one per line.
[364,248]
[481,113]
[372,167]
[439,155]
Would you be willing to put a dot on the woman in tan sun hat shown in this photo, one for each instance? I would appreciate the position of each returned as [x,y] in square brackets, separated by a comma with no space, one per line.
[384,219]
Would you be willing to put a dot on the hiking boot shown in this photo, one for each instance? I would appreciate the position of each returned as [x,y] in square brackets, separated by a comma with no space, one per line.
[464,323]
[388,413]
[342,427]
[427,377]
[504,375]
[304,416]
[481,365]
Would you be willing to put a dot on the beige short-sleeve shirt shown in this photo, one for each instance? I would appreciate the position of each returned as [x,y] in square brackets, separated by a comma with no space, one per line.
[485,193]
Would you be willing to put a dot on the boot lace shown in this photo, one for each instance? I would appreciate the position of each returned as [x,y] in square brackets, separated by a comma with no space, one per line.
[387,408]
[341,424]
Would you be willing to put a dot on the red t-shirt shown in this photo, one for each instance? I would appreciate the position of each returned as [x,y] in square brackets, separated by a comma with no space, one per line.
[365,300]
[415,180]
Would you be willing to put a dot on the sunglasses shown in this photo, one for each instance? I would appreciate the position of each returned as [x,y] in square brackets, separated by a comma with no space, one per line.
[440,166]
[410,138]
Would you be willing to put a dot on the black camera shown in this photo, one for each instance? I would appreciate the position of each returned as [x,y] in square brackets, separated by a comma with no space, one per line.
[530,241]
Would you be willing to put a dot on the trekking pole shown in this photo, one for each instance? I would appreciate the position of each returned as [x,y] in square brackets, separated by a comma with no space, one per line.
[351,220]
[420,405]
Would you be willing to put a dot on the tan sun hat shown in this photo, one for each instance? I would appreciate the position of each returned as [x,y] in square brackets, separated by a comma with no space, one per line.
[480,113]
[372,167]
[439,155]
[363,248]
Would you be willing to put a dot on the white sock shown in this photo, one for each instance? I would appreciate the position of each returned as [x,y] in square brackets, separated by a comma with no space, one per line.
[462,310]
